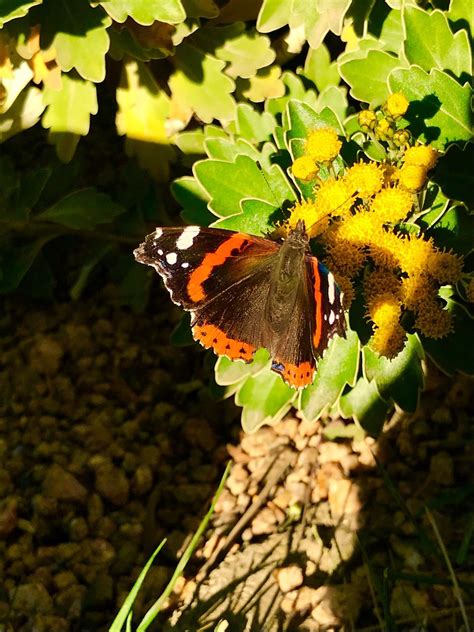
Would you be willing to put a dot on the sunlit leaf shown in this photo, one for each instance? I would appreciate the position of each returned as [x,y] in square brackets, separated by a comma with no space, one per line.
[145,12]
[364,404]
[13,9]
[265,84]
[319,68]
[23,114]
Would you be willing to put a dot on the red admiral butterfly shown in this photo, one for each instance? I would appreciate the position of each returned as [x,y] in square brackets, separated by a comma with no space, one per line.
[246,292]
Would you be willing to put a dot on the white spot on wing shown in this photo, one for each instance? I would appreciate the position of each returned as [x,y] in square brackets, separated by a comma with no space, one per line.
[160,252]
[331,290]
[332,317]
[172,258]
[158,233]
[185,240]
[185,265]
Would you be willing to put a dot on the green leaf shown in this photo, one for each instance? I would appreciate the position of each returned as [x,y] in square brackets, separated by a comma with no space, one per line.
[145,12]
[257,218]
[143,108]
[399,379]
[387,28]
[245,51]
[454,352]
[191,142]
[228,150]
[368,76]
[230,372]
[82,209]
[68,113]
[293,89]
[15,263]
[439,111]
[265,399]
[454,230]
[198,83]
[265,84]
[454,173]
[12,87]
[364,404]
[13,9]
[430,43]
[31,188]
[338,367]
[302,118]
[228,183]
[78,33]
[134,288]
[253,125]
[93,255]
[333,98]
[23,114]
[319,69]
[192,197]
[461,15]
[201,8]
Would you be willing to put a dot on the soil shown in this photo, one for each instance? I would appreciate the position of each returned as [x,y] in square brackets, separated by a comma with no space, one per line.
[111,439]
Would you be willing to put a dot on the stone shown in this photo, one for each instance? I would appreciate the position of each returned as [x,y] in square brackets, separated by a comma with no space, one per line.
[289,578]
[142,480]
[62,485]
[8,516]
[343,497]
[442,469]
[112,484]
[32,598]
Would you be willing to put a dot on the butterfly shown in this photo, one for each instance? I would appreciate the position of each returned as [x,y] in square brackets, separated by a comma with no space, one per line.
[246,292]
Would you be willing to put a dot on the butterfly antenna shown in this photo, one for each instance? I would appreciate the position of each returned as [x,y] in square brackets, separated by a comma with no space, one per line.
[259,165]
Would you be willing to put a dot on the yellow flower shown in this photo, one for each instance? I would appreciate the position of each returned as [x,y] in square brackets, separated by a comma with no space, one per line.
[401,137]
[384,130]
[365,178]
[392,204]
[414,254]
[396,105]
[389,336]
[344,257]
[333,197]
[381,281]
[388,342]
[347,289]
[445,267]
[304,168]
[322,144]
[359,229]
[390,174]
[412,177]
[470,290]
[421,156]
[367,120]
[309,213]
[417,290]
[384,247]
[433,321]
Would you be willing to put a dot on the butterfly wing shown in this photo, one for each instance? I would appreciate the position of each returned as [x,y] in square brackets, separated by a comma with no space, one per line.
[220,277]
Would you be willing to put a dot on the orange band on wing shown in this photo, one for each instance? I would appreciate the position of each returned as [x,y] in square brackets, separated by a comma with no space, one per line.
[318,300]
[298,375]
[211,336]
[236,242]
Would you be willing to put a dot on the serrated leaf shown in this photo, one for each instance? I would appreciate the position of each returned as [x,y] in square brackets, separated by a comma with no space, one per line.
[399,379]
[265,84]
[228,372]
[454,173]
[335,99]
[228,183]
[265,399]
[388,29]
[201,8]
[143,108]
[461,15]
[145,12]
[23,114]
[319,69]
[228,150]
[82,209]
[364,404]
[257,218]
[15,263]
[14,85]
[245,51]
[68,113]
[191,142]
[337,367]
[454,352]
[441,112]
[134,288]
[302,118]
[88,261]
[77,31]
[198,83]
[430,43]
[32,185]
[368,76]
[193,198]
[253,125]
[454,230]
[13,9]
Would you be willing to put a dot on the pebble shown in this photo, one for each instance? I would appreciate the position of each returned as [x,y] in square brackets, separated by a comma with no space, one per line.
[62,485]
[112,484]
[289,578]
[30,599]
[8,516]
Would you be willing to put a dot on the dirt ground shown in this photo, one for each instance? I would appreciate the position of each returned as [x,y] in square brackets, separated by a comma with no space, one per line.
[111,439]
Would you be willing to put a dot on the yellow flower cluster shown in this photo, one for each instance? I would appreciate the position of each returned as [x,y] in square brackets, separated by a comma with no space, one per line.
[357,215]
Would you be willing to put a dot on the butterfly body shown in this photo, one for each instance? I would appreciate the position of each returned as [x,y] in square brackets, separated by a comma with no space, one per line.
[246,292]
